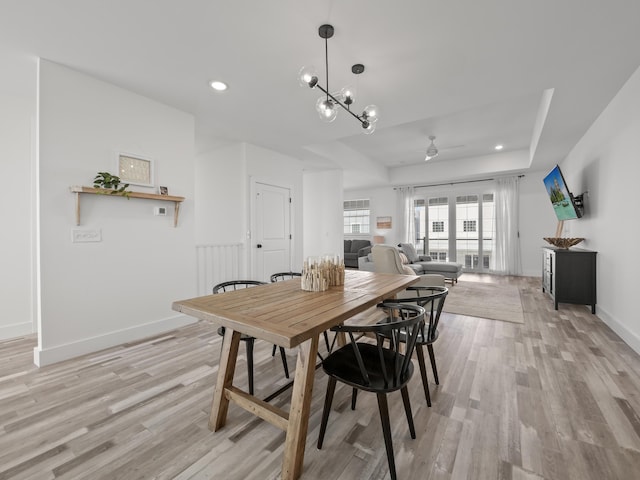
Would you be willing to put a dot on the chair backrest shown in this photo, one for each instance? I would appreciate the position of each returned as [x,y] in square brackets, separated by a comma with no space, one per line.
[431,298]
[386,259]
[403,324]
[276,277]
[236,285]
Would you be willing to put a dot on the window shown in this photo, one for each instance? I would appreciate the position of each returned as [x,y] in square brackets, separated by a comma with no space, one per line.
[438,256]
[356,216]
[458,228]
[438,217]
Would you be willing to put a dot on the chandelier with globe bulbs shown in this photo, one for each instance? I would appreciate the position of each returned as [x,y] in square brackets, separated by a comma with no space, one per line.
[327,104]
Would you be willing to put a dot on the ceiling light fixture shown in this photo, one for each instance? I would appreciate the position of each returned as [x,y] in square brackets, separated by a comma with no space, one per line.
[327,105]
[218,86]
[499,147]
[432,150]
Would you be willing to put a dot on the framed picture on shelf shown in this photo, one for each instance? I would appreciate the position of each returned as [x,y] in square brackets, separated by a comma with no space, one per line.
[163,190]
[135,170]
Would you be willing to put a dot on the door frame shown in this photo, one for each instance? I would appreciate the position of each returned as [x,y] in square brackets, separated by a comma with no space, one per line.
[251,250]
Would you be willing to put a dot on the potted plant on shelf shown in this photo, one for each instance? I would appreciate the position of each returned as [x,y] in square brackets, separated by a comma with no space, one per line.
[106,181]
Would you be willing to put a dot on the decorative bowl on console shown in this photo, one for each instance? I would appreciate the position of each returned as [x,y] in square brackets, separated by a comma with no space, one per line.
[563,242]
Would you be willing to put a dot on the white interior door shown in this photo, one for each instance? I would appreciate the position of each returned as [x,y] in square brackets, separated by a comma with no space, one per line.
[272,234]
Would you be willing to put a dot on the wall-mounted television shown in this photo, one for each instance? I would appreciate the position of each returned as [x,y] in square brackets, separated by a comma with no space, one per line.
[564,204]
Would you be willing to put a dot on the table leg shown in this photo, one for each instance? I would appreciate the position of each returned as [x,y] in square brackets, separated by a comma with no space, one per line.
[226,369]
[300,408]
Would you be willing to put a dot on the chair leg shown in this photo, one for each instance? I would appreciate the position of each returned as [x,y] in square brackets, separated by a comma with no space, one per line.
[326,340]
[423,373]
[331,388]
[249,345]
[284,362]
[407,411]
[386,432]
[354,397]
[432,357]
[273,352]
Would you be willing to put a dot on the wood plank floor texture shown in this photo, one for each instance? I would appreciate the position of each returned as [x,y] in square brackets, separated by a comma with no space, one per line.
[557,398]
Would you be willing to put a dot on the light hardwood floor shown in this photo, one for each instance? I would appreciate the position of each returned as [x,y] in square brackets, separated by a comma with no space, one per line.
[555,398]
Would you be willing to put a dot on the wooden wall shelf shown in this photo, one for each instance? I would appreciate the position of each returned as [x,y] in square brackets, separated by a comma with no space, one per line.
[78,190]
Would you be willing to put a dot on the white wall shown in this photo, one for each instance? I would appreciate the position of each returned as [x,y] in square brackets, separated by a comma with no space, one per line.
[221,193]
[605,163]
[17,157]
[382,203]
[223,204]
[537,220]
[95,295]
[439,171]
[267,166]
[323,225]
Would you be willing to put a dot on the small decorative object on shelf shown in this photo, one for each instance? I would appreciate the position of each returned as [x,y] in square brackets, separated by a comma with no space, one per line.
[320,273]
[110,184]
[563,242]
[163,190]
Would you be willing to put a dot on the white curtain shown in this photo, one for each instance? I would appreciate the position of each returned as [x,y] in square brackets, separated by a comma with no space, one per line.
[407,221]
[507,201]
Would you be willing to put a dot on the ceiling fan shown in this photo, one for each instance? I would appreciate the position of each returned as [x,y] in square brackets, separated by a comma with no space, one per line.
[432,150]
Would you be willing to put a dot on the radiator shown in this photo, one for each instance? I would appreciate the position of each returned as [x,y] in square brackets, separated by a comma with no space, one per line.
[218,263]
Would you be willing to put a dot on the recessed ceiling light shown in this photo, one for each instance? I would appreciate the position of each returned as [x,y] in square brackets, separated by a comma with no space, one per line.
[499,147]
[218,86]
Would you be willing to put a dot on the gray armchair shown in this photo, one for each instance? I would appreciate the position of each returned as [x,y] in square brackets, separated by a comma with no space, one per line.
[354,249]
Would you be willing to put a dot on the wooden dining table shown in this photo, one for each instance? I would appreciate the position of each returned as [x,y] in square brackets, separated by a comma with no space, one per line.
[285,315]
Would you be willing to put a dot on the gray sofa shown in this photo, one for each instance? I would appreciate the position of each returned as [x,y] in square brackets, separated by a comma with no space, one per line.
[354,249]
[421,264]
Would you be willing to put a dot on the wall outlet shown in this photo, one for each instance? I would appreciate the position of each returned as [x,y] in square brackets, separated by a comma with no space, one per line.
[160,211]
[83,235]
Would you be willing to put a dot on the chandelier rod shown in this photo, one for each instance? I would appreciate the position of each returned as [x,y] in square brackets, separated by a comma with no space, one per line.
[339,103]
[326,63]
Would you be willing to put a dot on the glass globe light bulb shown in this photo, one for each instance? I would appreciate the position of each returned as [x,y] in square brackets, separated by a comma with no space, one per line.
[348,93]
[369,128]
[326,109]
[371,113]
[307,77]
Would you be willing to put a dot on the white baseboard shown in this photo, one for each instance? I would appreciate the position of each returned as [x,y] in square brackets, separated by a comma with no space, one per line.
[47,356]
[16,330]
[629,337]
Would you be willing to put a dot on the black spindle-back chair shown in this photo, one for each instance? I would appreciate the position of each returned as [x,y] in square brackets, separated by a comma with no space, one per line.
[375,368]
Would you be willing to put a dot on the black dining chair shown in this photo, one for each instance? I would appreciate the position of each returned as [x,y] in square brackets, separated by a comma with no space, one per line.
[247,339]
[432,299]
[276,277]
[376,368]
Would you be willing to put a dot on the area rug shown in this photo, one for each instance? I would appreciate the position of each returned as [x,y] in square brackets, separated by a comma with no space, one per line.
[485,300]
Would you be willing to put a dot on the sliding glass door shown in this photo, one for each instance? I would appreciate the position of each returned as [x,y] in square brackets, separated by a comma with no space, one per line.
[458,228]
[475,227]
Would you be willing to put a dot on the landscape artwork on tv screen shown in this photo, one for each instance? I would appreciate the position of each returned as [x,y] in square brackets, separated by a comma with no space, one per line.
[559,195]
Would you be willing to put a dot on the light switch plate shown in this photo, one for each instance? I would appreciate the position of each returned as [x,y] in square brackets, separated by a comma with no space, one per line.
[84,235]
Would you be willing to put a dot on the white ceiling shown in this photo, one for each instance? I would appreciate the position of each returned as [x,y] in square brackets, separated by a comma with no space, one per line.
[473,73]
